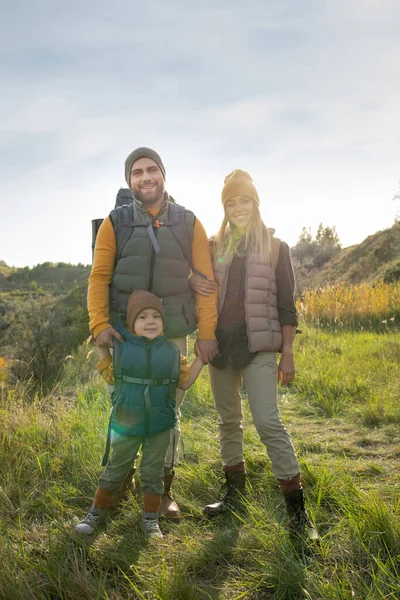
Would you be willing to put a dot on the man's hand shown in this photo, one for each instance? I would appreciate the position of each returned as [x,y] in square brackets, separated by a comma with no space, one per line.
[202,285]
[206,349]
[286,370]
[105,337]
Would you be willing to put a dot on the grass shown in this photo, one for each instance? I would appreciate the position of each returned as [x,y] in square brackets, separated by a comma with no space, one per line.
[349,453]
[366,306]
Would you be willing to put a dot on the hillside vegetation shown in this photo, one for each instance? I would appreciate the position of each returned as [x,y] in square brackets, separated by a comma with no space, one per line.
[43,318]
[377,257]
[53,277]
[342,412]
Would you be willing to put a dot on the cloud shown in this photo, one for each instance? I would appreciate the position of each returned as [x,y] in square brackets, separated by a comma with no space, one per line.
[304,95]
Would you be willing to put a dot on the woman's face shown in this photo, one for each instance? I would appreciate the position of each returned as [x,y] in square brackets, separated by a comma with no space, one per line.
[239,210]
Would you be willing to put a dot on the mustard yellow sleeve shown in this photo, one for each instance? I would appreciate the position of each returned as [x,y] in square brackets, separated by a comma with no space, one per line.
[105,368]
[100,278]
[206,306]
[185,371]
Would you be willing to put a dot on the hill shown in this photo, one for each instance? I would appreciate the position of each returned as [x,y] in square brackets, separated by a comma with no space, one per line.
[19,287]
[54,277]
[377,257]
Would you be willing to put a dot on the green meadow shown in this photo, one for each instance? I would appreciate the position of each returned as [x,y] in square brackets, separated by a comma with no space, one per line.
[343,413]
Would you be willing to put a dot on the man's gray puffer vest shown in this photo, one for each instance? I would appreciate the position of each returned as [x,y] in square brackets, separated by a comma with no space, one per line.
[264,331]
[154,254]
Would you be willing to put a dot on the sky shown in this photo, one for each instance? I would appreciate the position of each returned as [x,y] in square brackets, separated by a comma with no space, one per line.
[304,95]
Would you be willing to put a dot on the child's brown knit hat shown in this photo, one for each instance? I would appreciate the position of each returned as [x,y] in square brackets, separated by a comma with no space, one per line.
[239,183]
[139,301]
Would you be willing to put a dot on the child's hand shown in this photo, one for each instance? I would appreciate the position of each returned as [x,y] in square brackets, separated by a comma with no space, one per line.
[200,361]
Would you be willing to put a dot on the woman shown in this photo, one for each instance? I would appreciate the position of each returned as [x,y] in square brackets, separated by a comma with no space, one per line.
[257,319]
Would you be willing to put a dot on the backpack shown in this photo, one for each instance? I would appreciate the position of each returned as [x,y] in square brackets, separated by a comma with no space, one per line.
[125,198]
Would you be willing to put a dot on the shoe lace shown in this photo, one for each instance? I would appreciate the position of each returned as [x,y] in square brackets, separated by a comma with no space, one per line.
[90,518]
[151,525]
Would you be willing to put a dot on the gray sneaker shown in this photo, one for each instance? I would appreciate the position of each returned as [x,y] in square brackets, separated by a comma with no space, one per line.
[94,517]
[150,524]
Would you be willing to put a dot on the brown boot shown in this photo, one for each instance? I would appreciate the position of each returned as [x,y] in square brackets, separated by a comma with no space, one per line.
[169,507]
[234,488]
[128,487]
[300,523]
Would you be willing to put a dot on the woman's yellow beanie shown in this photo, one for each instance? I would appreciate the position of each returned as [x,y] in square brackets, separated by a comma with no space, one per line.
[239,183]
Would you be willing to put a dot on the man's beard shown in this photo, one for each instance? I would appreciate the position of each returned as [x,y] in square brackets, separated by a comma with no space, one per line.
[155,195]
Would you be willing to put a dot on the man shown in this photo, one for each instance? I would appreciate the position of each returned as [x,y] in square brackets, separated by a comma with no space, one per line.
[153,244]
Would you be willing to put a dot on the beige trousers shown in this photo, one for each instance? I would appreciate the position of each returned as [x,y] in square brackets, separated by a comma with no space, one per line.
[260,381]
[172,456]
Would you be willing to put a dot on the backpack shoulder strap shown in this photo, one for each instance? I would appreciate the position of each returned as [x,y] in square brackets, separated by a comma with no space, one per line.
[117,363]
[180,220]
[176,371]
[118,382]
[275,248]
[182,223]
[122,218]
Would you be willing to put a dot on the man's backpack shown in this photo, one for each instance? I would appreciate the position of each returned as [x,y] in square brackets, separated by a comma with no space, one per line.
[124,197]
[123,230]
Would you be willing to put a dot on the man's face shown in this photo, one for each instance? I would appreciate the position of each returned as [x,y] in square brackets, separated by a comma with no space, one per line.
[147,182]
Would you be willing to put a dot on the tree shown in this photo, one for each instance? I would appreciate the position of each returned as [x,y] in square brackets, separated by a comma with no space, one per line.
[328,244]
[42,332]
[306,247]
[310,254]
[327,236]
[319,250]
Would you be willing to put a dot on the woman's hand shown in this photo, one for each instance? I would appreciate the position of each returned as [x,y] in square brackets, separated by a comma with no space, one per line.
[286,370]
[201,285]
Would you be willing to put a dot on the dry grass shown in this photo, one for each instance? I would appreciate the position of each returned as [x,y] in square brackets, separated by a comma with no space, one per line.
[363,306]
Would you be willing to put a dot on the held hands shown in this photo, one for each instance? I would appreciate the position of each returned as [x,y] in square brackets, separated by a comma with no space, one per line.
[105,338]
[202,286]
[286,370]
[206,350]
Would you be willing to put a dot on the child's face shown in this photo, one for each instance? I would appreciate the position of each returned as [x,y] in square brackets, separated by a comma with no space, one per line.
[149,324]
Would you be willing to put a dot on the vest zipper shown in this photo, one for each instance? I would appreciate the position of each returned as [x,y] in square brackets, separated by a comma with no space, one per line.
[148,363]
[152,261]
[148,376]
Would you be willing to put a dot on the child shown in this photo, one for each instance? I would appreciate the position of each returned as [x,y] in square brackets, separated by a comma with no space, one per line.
[146,370]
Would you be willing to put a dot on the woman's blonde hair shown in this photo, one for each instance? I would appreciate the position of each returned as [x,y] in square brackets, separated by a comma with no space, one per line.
[258,238]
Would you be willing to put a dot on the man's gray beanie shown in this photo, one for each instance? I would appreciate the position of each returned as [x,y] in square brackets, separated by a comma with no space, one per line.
[142,153]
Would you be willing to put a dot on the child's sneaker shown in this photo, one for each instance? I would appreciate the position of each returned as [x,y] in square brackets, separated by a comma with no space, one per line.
[94,517]
[150,524]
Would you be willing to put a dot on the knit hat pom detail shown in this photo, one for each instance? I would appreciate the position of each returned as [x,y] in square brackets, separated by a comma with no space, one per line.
[238,173]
